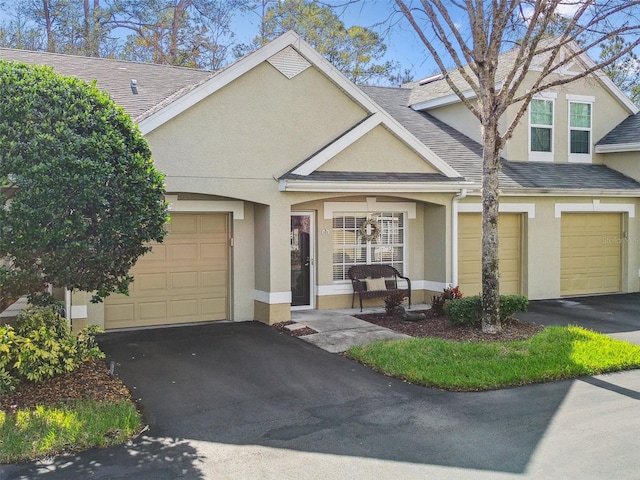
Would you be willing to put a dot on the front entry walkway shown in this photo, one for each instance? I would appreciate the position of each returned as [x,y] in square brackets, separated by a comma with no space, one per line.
[338,330]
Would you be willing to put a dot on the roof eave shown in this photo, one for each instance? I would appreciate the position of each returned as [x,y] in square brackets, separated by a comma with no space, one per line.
[569,192]
[290,185]
[618,147]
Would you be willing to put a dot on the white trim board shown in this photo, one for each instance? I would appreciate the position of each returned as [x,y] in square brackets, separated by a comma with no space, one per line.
[618,147]
[371,205]
[206,206]
[595,206]
[272,298]
[528,208]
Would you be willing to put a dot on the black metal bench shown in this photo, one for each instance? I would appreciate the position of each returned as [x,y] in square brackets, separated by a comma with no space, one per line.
[359,274]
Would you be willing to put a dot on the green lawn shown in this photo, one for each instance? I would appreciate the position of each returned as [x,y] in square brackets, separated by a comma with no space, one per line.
[552,354]
[48,431]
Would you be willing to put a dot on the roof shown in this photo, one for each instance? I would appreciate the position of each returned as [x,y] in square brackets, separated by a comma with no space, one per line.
[440,88]
[465,154]
[160,86]
[624,137]
[156,84]
[437,92]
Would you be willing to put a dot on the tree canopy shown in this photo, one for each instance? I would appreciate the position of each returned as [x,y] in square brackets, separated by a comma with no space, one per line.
[352,50]
[472,35]
[80,197]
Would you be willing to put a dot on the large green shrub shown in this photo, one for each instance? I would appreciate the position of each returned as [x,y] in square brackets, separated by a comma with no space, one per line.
[468,310]
[42,346]
[79,196]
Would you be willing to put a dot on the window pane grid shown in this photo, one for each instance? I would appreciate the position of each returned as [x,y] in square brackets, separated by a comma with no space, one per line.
[541,122]
[580,128]
[350,248]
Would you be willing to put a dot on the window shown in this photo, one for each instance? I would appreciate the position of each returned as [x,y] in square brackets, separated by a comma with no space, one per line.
[541,129]
[350,247]
[580,131]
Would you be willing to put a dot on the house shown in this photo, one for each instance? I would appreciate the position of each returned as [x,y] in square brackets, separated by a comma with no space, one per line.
[274,165]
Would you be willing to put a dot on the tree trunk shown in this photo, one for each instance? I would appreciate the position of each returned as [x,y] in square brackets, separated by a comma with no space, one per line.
[490,202]
[48,25]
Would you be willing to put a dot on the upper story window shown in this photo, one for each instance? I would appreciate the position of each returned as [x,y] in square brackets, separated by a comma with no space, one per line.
[580,124]
[541,122]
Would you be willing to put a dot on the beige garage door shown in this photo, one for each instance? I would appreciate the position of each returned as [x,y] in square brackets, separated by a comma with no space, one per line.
[470,253]
[591,253]
[184,279]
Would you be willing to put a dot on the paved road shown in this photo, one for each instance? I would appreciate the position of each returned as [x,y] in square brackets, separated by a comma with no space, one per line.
[240,401]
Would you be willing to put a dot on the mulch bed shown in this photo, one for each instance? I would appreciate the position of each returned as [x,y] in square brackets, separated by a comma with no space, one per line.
[434,326]
[441,327]
[90,381]
[301,332]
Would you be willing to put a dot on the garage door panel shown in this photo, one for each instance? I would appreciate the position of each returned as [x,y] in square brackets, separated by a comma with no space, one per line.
[148,310]
[157,256]
[470,253]
[214,308]
[214,254]
[589,263]
[120,315]
[185,279]
[184,252]
[150,283]
[187,307]
[183,224]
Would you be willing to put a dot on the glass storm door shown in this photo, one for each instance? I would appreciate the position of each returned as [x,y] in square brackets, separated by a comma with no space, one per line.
[302,268]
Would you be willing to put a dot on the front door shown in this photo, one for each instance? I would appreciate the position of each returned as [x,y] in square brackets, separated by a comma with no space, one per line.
[302,268]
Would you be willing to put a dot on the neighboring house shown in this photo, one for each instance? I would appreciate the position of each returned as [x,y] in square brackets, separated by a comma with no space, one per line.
[274,164]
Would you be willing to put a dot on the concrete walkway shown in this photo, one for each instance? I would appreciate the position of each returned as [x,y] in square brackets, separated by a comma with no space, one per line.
[339,330]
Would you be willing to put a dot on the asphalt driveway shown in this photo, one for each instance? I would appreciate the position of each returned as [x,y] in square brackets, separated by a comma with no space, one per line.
[241,401]
[615,315]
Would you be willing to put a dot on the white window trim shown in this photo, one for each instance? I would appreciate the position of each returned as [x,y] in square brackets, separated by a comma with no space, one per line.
[405,234]
[543,156]
[580,157]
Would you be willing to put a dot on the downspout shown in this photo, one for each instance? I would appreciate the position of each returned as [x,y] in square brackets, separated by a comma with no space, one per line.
[454,236]
[67,304]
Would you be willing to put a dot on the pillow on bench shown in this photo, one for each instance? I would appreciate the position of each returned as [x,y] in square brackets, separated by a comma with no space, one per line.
[375,284]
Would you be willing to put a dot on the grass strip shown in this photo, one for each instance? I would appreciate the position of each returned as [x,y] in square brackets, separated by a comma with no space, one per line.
[552,354]
[47,430]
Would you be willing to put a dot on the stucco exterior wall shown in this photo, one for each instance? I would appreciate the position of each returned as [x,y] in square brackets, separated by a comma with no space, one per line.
[378,151]
[627,163]
[238,139]
[459,117]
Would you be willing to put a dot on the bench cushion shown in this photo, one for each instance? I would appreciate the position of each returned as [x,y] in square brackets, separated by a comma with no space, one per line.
[375,284]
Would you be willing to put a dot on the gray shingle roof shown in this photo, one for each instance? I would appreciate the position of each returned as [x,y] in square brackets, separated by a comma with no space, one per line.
[628,131]
[157,84]
[465,154]
[440,88]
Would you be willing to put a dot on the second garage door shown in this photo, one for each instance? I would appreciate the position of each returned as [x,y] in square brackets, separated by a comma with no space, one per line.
[591,253]
[184,279]
[470,253]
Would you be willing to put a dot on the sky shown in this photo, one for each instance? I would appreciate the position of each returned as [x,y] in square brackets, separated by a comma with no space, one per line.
[382,16]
